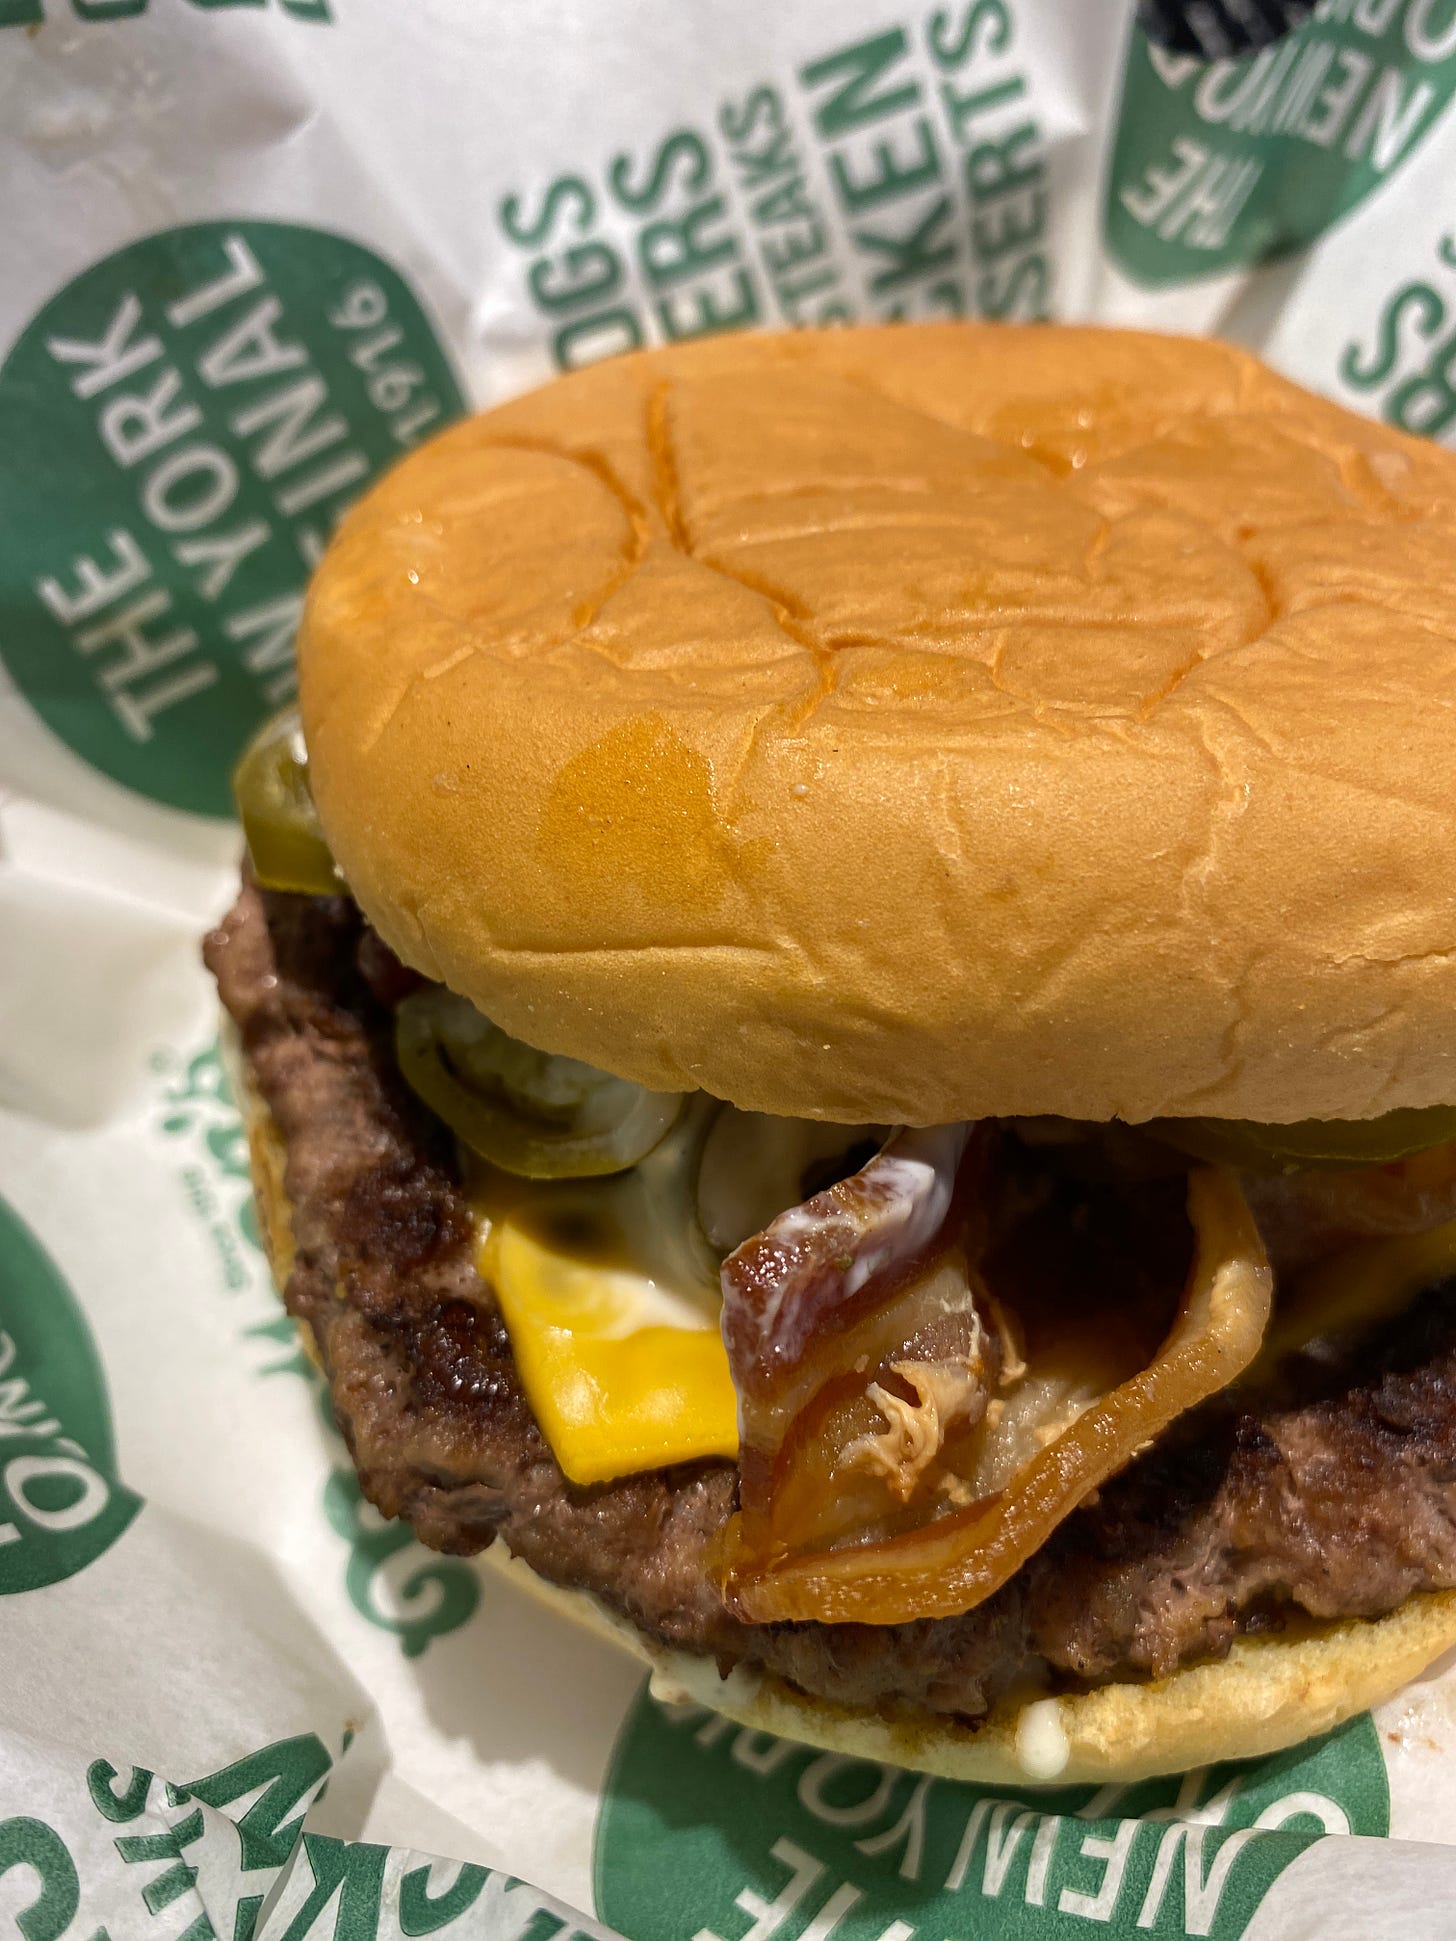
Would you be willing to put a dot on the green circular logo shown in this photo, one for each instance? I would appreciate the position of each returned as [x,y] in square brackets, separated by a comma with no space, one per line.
[180,428]
[61,1500]
[1225,163]
[711,1830]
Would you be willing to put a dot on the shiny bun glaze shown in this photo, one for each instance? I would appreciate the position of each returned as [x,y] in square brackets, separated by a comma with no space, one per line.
[914,724]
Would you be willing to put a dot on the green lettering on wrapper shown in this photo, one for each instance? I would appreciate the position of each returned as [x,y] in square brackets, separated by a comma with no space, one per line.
[40,1850]
[795,243]
[61,1501]
[182,426]
[905,176]
[712,1829]
[888,173]
[392,1581]
[1412,363]
[1228,163]
[31,13]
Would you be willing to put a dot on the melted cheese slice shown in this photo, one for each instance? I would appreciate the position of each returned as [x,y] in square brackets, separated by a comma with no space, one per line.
[625,1370]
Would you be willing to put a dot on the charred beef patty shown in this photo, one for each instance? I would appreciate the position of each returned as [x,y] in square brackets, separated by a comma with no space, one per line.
[1335,1498]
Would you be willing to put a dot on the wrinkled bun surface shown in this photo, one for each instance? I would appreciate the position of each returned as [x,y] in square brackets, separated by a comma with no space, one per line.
[1271,1691]
[915,724]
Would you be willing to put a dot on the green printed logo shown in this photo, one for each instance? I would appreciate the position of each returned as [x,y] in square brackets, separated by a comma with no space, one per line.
[30,13]
[902,174]
[180,428]
[203,1860]
[376,1892]
[259,1804]
[392,1580]
[219,1185]
[1236,162]
[713,1830]
[61,1500]
[274,1788]
[1407,368]
[40,1851]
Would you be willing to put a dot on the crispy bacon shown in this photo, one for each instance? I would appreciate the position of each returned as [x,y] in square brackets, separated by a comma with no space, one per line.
[844,1249]
[1009,1472]
[856,1345]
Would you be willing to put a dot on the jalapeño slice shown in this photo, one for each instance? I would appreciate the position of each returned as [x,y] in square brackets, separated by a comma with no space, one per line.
[524,1111]
[285,839]
[1333,1145]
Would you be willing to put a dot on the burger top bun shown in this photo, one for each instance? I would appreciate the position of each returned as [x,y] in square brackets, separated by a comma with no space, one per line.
[914,724]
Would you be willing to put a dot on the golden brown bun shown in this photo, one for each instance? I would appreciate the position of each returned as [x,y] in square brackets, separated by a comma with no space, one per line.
[915,724]
[1270,1691]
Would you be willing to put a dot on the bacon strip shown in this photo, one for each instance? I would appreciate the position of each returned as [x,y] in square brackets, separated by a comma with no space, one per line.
[855,1344]
[849,1245]
[943,1565]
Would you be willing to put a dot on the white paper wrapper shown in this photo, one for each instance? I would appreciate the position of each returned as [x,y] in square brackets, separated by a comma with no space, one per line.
[253,249]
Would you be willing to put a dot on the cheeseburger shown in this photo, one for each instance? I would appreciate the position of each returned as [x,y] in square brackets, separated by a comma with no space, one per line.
[846,999]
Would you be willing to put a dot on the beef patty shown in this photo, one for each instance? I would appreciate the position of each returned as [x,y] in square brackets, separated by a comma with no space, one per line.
[1336,1497]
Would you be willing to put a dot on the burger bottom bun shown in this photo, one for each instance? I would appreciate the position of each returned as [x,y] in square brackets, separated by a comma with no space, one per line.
[1272,1690]
[1269,1693]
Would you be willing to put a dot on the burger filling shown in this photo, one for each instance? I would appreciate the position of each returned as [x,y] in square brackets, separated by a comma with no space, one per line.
[903,1415]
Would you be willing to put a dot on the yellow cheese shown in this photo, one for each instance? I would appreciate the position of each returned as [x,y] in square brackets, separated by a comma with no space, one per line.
[623,1371]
